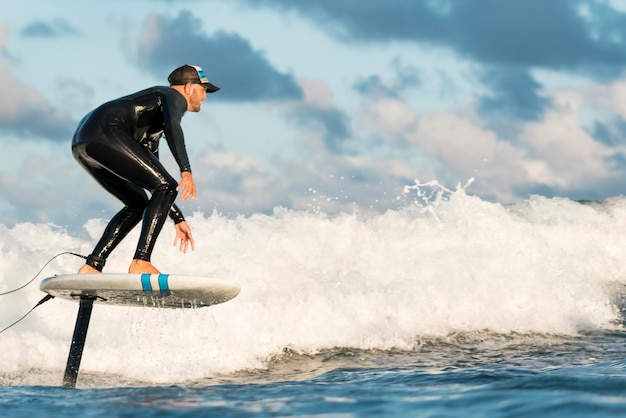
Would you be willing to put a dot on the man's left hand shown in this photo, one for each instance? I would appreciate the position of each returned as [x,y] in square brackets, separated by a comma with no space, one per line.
[183,237]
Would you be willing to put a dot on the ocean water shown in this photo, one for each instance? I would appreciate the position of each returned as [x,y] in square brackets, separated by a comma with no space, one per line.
[447,306]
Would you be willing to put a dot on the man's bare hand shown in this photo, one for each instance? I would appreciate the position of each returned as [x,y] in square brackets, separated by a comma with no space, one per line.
[187,185]
[183,239]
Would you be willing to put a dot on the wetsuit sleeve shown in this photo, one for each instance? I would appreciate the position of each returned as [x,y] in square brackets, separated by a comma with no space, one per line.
[173,110]
[176,214]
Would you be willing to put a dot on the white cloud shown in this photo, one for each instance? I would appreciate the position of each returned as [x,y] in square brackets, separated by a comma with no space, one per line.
[219,159]
[4,35]
[604,101]
[557,152]
[151,32]
[467,150]
[447,146]
[565,155]
[234,183]
[36,189]
[23,109]
[391,117]
[617,95]
[316,93]
[16,97]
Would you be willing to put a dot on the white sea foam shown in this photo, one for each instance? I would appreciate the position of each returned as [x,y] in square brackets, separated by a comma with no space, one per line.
[447,262]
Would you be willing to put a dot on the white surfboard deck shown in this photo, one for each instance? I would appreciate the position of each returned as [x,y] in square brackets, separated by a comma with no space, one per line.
[143,290]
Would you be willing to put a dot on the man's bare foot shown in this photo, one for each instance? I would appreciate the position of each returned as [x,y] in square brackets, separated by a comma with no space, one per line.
[87,269]
[143,267]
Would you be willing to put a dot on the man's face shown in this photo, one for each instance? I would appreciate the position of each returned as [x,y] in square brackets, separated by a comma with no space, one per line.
[196,97]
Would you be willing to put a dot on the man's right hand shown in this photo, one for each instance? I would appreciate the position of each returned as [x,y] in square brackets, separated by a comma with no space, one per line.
[187,185]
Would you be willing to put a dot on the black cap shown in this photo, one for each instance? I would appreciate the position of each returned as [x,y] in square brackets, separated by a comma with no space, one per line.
[191,74]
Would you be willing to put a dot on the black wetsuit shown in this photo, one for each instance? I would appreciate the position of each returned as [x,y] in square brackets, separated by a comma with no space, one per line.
[117,143]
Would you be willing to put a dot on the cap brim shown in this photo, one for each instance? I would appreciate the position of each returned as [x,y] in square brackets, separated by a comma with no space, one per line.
[210,88]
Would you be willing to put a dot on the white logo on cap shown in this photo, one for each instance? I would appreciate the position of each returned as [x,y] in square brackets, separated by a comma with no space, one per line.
[203,78]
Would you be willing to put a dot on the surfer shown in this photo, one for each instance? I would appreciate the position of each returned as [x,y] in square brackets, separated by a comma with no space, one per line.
[118,142]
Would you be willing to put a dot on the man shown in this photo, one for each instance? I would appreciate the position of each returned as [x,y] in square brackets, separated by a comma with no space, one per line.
[117,144]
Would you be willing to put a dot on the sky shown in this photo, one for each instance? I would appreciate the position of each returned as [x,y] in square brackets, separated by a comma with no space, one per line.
[325,105]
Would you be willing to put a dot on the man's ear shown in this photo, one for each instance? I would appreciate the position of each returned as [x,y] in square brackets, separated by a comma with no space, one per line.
[187,89]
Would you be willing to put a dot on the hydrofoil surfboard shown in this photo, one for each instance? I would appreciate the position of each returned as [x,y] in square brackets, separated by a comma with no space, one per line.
[142,290]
